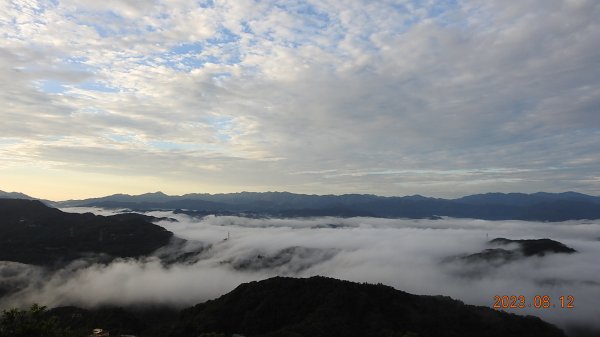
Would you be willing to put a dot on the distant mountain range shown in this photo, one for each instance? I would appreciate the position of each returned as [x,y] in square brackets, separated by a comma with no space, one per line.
[14,195]
[18,195]
[489,206]
[539,206]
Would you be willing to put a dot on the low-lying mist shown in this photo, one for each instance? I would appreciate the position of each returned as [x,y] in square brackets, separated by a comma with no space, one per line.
[411,255]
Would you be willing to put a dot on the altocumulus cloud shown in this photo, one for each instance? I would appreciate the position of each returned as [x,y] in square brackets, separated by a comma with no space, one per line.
[411,255]
[439,98]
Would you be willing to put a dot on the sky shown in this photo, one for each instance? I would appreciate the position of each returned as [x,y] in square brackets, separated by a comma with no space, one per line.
[439,98]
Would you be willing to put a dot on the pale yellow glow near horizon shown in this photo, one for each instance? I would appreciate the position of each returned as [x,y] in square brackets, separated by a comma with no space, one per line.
[58,185]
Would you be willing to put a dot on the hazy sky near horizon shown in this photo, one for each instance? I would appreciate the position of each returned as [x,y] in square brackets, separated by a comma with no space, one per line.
[440,98]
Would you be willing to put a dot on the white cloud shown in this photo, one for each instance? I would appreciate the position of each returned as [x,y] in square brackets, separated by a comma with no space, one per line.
[406,254]
[329,85]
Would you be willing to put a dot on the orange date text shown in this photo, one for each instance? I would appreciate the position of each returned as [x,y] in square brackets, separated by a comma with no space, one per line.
[537,302]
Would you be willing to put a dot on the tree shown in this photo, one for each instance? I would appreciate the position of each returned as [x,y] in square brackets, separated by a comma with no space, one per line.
[31,323]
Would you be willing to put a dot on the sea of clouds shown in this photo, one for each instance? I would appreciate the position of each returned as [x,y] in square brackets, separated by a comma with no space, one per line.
[407,254]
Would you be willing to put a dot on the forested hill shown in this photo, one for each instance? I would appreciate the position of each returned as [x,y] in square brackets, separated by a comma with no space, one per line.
[320,306]
[33,233]
[315,307]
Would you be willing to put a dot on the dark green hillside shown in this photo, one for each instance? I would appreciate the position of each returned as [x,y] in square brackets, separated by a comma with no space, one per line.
[320,306]
[538,247]
[314,307]
[513,250]
[311,307]
[33,233]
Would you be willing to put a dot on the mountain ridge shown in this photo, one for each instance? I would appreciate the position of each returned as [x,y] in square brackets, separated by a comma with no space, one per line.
[323,306]
[34,233]
[317,306]
[539,206]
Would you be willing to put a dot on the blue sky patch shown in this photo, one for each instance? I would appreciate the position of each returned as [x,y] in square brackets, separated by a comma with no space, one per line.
[51,86]
[96,86]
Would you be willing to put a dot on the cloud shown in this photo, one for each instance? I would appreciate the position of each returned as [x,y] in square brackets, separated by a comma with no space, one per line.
[410,255]
[310,86]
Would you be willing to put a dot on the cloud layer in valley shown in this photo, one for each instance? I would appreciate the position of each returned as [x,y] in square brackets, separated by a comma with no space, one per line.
[440,98]
[410,255]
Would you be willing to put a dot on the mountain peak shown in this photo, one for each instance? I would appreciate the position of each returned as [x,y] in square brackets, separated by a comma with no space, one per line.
[14,195]
[156,194]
